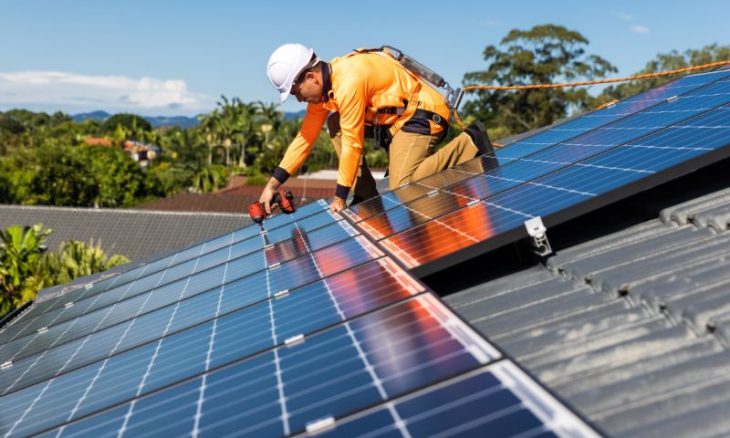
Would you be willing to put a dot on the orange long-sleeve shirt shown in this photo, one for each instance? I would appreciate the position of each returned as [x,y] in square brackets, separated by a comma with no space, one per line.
[359,85]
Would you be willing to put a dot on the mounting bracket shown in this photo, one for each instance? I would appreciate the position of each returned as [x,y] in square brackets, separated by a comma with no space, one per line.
[538,236]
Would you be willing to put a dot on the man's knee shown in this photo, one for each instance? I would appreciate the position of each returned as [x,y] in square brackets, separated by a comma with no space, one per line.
[333,124]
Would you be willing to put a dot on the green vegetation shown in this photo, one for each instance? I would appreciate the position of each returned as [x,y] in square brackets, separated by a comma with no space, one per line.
[26,267]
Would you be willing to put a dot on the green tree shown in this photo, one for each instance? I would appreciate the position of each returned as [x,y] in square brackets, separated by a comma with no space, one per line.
[119,179]
[544,54]
[210,178]
[63,177]
[665,61]
[20,252]
[130,123]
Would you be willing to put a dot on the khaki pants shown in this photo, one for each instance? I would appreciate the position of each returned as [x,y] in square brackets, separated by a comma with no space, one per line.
[410,157]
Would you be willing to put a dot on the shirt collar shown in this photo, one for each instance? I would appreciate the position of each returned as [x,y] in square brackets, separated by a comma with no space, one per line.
[326,82]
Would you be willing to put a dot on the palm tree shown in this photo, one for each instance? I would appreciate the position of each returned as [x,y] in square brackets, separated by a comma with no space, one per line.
[20,252]
[77,259]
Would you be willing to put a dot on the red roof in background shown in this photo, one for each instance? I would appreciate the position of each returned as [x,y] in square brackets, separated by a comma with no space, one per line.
[98,141]
[236,197]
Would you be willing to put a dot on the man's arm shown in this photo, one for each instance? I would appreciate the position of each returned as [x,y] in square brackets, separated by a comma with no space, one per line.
[352,100]
[296,153]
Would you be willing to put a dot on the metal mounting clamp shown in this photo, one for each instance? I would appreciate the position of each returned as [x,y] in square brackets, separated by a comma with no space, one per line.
[538,233]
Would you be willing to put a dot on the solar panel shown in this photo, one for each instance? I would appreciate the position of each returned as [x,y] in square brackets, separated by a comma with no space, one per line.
[538,142]
[249,242]
[142,315]
[346,367]
[481,212]
[498,400]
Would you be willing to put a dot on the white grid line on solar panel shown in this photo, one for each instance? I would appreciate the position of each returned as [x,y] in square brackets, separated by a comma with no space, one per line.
[649,163]
[122,380]
[311,367]
[545,204]
[476,394]
[63,301]
[347,231]
[414,190]
[642,101]
[38,398]
[378,235]
[198,411]
[374,233]
[146,375]
[277,361]
[363,357]
[150,334]
[698,95]
[22,329]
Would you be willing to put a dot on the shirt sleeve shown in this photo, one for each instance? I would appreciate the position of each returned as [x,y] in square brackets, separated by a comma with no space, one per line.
[352,98]
[301,146]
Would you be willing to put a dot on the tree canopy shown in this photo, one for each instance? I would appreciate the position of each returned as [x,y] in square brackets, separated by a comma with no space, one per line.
[545,54]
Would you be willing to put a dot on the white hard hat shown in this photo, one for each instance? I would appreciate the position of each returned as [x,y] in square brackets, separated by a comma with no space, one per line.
[284,66]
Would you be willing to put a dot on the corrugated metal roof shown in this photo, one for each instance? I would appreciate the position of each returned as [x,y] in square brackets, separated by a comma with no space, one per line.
[632,329]
[133,233]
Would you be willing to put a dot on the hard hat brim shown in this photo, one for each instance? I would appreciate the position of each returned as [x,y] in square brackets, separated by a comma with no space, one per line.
[283,96]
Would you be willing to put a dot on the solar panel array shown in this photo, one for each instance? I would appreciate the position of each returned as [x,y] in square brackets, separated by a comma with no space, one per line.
[307,328]
[557,174]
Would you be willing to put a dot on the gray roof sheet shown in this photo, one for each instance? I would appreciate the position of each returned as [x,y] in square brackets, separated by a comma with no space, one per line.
[135,234]
[632,329]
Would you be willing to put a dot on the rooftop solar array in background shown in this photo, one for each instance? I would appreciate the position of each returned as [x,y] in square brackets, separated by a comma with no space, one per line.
[267,334]
[556,174]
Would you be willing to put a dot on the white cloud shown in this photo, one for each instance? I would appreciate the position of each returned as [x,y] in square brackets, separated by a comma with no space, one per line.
[71,90]
[623,16]
[637,28]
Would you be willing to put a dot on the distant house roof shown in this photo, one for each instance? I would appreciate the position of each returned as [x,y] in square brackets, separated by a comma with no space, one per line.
[236,197]
[133,233]
[632,328]
[98,141]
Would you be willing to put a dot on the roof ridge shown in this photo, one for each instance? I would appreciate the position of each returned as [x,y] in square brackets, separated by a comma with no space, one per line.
[119,210]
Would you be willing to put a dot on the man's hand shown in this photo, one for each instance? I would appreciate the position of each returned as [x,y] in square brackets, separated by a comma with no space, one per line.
[337,204]
[268,194]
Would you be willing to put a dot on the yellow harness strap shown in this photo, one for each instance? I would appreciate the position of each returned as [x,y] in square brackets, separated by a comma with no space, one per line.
[412,104]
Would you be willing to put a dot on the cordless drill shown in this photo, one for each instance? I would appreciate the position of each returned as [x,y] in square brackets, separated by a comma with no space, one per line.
[283,198]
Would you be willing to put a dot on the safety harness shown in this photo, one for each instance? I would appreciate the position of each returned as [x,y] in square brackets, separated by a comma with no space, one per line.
[411,118]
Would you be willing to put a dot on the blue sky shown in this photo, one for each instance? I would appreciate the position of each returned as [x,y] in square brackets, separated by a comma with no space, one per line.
[156,57]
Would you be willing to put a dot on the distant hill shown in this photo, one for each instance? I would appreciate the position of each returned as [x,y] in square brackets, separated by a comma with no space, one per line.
[296,115]
[157,121]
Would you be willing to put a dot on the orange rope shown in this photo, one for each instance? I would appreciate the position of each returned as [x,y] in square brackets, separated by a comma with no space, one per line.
[581,83]
[597,81]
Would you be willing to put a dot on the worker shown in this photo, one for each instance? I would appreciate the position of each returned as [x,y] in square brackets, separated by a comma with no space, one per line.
[366,93]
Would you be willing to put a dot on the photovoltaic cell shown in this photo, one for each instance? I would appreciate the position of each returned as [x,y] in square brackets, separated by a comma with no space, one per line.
[598,118]
[551,181]
[186,312]
[168,261]
[65,322]
[498,400]
[350,366]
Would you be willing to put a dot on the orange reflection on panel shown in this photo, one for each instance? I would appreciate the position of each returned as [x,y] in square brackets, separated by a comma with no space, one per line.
[442,237]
